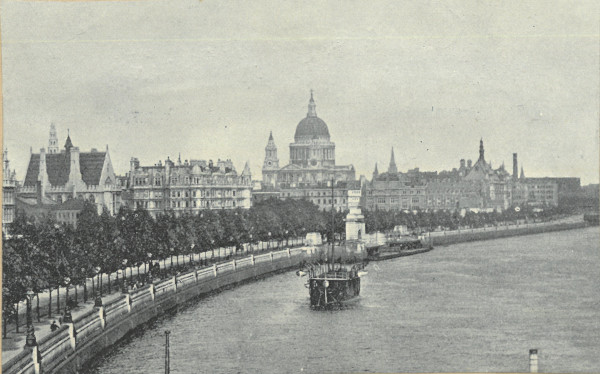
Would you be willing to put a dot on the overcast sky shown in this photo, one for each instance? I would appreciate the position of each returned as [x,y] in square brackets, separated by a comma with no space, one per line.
[211,78]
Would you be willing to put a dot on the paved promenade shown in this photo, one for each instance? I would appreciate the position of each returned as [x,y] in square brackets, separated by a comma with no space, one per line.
[15,341]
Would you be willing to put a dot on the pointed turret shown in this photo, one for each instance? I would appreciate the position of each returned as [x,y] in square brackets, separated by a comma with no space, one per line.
[522,173]
[312,112]
[375,172]
[392,169]
[246,170]
[481,150]
[68,143]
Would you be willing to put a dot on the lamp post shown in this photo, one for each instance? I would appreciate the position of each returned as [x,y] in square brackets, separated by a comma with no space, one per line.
[149,273]
[98,299]
[67,283]
[124,263]
[269,242]
[30,340]
[85,295]
[98,272]
[251,246]
[67,317]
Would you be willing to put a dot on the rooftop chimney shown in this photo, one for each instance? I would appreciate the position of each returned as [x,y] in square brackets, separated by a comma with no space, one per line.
[515,173]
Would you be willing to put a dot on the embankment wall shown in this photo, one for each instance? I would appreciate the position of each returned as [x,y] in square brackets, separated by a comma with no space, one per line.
[74,345]
[487,233]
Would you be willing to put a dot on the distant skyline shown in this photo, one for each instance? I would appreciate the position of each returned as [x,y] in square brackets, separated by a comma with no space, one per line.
[211,79]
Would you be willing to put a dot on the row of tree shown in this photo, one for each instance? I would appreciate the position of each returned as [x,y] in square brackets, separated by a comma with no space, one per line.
[447,220]
[40,254]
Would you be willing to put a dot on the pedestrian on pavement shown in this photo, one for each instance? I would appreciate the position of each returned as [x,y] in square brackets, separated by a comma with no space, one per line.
[53,326]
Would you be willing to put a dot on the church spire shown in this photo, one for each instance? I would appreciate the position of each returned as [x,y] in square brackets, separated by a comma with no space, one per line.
[68,143]
[522,173]
[481,150]
[312,112]
[392,169]
[375,172]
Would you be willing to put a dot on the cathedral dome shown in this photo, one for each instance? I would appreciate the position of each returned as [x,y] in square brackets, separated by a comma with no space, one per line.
[311,127]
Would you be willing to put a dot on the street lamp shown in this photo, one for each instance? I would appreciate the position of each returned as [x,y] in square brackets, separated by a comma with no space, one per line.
[149,272]
[67,283]
[30,340]
[269,242]
[67,317]
[124,263]
[98,299]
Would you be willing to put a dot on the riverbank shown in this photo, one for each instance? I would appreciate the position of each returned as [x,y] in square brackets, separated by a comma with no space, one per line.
[382,256]
[68,349]
[73,345]
[442,238]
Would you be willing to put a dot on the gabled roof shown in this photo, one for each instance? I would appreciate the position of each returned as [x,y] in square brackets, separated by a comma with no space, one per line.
[58,167]
[91,165]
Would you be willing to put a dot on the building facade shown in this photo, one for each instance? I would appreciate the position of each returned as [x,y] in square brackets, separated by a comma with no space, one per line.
[470,186]
[312,168]
[9,186]
[188,187]
[69,173]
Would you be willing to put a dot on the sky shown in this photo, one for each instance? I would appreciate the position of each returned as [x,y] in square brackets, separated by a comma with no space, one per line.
[210,79]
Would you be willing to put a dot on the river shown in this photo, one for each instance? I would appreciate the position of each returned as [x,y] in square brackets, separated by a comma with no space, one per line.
[467,307]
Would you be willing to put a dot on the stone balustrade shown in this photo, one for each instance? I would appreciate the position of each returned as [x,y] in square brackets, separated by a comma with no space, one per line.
[74,344]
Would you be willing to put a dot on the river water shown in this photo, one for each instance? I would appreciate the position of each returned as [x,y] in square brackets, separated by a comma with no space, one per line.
[476,306]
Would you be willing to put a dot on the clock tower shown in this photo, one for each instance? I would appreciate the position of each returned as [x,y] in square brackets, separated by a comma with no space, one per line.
[271,163]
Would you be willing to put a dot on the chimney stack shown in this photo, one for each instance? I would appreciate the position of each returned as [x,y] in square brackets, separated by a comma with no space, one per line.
[515,174]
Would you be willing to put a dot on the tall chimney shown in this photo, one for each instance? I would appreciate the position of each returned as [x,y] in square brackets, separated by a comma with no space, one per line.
[515,167]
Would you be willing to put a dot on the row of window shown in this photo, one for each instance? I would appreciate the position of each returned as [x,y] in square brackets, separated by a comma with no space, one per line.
[383,200]
[157,181]
[397,192]
[327,201]
[204,193]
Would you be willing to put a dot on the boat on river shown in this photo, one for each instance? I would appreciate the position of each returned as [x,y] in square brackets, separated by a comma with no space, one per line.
[335,279]
[334,285]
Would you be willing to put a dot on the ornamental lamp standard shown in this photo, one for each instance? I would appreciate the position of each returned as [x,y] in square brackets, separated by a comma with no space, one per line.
[124,263]
[172,251]
[98,299]
[269,242]
[30,340]
[85,295]
[67,317]
[67,283]
[149,256]
[97,271]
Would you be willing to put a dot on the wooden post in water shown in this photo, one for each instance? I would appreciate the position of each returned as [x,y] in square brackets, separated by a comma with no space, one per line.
[167,353]
[533,360]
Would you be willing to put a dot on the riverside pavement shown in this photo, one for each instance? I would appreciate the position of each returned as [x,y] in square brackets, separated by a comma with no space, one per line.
[14,342]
